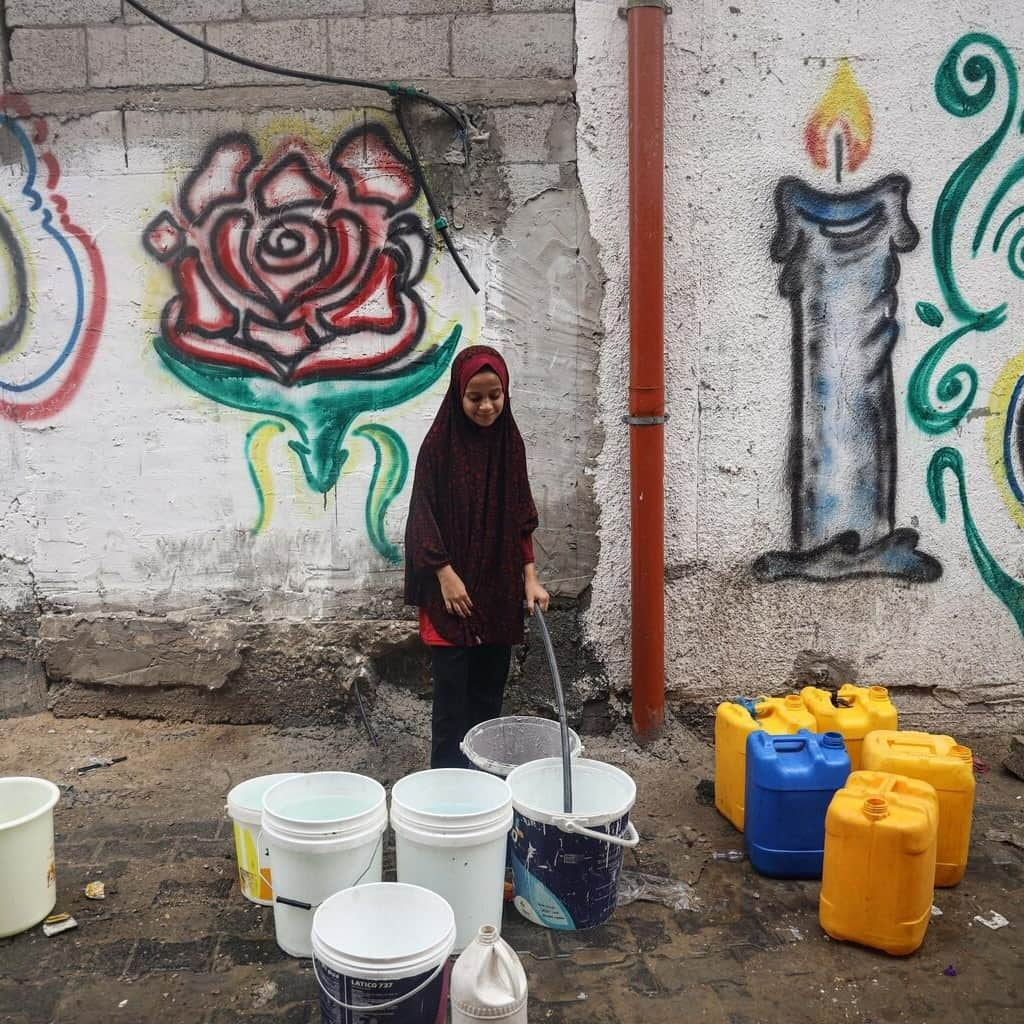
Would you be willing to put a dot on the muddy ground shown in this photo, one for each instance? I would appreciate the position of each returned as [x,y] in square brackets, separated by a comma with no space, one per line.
[175,942]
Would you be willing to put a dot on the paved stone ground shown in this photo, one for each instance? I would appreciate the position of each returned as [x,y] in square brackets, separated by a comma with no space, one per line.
[175,942]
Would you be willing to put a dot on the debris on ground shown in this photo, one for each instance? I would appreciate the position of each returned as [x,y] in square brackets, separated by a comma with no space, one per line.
[949,971]
[99,762]
[95,891]
[994,920]
[705,790]
[733,855]
[1000,835]
[1014,762]
[57,923]
[980,766]
[935,911]
[68,794]
[635,885]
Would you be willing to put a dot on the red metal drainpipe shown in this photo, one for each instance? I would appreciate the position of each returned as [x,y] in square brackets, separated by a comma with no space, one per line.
[645,24]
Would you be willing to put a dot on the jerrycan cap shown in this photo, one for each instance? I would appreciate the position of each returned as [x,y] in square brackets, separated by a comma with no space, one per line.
[833,739]
[878,693]
[876,807]
[794,700]
[962,753]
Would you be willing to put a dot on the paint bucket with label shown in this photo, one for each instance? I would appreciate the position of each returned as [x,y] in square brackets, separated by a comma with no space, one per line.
[451,827]
[244,806]
[501,744]
[322,832]
[28,875]
[380,955]
[567,865]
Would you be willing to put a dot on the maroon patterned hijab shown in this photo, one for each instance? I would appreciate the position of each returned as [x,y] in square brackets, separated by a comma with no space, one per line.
[471,507]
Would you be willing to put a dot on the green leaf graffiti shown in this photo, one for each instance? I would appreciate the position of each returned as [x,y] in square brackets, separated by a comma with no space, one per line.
[251,438]
[320,413]
[929,314]
[1004,586]
[390,471]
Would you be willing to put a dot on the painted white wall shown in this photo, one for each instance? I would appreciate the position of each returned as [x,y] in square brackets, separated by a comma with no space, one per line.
[136,497]
[741,82]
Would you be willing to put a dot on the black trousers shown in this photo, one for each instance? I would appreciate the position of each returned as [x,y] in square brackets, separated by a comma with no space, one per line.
[469,686]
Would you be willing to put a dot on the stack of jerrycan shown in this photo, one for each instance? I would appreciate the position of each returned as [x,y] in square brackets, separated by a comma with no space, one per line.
[949,768]
[855,712]
[734,722]
[881,834]
[791,781]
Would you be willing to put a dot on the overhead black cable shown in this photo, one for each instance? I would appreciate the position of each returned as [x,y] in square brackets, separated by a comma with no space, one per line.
[393,89]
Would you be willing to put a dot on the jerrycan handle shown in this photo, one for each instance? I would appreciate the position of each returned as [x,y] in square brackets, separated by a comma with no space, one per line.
[789,744]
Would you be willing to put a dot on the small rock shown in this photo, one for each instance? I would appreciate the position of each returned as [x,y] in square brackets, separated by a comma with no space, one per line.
[1015,759]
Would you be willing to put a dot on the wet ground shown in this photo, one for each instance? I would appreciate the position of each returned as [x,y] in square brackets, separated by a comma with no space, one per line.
[175,942]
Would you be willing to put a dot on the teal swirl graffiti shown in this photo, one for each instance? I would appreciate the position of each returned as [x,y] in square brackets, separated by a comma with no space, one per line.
[958,101]
[390,471]
[957,387]
[1004,586]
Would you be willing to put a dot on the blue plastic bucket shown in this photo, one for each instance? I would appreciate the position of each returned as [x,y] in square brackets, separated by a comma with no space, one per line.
[566,866]
[380,955]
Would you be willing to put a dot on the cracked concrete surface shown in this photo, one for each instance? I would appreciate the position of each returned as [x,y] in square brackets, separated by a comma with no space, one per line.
[174,941]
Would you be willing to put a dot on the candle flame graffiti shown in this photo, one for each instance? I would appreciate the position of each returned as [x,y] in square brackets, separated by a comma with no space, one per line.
[844,109]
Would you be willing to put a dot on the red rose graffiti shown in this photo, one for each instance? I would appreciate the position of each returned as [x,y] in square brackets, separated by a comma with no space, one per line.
[296,297]
[296,267]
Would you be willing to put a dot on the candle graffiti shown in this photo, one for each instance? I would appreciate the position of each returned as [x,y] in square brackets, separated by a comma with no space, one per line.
[840,256]
[965,85]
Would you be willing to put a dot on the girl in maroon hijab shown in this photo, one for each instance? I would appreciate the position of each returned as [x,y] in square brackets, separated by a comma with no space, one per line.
[469,550]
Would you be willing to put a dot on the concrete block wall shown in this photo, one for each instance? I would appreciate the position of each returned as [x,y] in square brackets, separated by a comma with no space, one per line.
[846,442]
[173,547]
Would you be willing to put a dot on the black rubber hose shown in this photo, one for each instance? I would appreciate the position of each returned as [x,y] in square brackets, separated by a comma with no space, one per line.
[440,222]
[391,88]
[560,699]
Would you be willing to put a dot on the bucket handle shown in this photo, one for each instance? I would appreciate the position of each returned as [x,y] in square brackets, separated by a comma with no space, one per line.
[391,1002]
[300,905]
[262,855]
[629,840]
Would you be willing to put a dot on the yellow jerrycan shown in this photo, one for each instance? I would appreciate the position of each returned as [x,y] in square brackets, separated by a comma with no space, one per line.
[949,767]
[733,724]
[881,834]
[860,710]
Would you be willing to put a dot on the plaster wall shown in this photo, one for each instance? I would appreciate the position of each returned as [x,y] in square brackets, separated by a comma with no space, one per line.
[207,441]
[800,418]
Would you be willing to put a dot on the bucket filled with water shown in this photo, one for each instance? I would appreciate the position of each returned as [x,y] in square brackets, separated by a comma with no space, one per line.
[245,803]
[321,832]
[566,865]
[451,828]
[502,744]
[380,955]
[28,875]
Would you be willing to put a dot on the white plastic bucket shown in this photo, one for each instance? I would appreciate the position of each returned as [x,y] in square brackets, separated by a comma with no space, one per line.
[245,803]
[380,955]
[566,866]
[28,872]
[501,744]
[451,828]
[322,832]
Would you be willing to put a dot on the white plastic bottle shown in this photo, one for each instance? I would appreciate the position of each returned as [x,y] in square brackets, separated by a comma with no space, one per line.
[488,982]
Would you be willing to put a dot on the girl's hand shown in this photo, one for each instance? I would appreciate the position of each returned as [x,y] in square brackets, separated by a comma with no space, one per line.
[453,590]
[535,593]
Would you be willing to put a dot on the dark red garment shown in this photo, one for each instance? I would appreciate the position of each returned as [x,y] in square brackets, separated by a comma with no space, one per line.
[471,508]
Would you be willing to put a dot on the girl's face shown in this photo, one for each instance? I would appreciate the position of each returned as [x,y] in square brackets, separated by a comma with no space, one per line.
[484,398]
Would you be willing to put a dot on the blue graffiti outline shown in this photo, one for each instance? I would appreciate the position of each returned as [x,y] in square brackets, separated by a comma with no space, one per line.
[36,203]
[1011,414]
